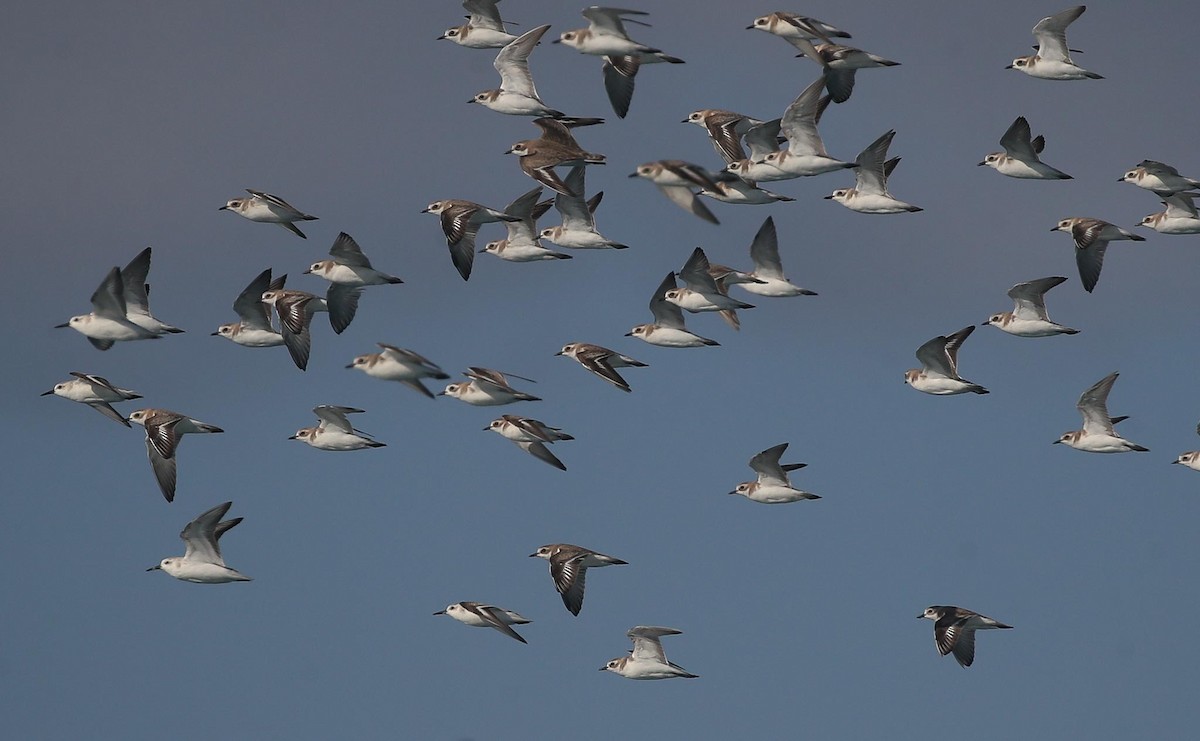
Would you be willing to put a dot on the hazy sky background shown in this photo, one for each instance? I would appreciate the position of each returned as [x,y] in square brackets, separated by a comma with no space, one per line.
[129,124]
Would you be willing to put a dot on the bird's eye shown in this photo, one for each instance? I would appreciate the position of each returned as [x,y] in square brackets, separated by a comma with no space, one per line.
[568,36]
[1131,174]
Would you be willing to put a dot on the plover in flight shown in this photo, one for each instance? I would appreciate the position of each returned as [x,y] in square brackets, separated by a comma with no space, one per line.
[768,268]
[838,65]
[1098,435]
[702,291]
[938,373]
[1179,218]
[870,194]
[1161,179]
[202,562]
[483,30]
[335,431]
[97,392]
[678,180]
[1190,459]
[1091,241]
[108,322]
[772,485]
[954,630]
[521,244]
[398,364]
[460,223]
[601,361]
[479,615]
[805,155]
[295,310]
[164,431]
[254,328]
[1053,59]
[1020,156]
[605,36]
[578,228]
[1028,317]
[763,141]
[568,568]
[725,130]
[647,659]
[517,95]
[792,26]
[530,435]
[556,146]
[668,328]
[485,387]
[348,272]
[269,209]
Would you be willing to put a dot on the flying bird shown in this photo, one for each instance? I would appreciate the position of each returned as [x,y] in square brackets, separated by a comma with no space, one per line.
[266,208]
[601,361]
[334,432]
[938,374]
[1053,60]
[202,562]
[254,328]
[399,364]
[1098,435]
[460,223]
[568,568]
[954,630]
[772,485]
[647,659]
[870,194]
[1028,317]
[108,322]
[1091,241]
[95,391]
[1020,156]
[164,431]
[479,615]
[483,30]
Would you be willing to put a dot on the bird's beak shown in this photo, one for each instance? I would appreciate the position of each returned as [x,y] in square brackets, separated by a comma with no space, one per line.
[350,366]
[558,353]
[440,612]
[629,334]
[51,391]
[1056,442]
[532,555]
[62,326]
[556,41]
[633,174]
[981,164]
[1054,229]
[1009,67]
[440,393]
[472,100]
[1173,462]
[485,429]
[731,492]
[604,668]
[307,272]
[223,208]
[920,616]
[155,567]
[684,121]
[481,251]
[749,28]
[1120,180]
[425,210]
[213,334]
[829,198]
[292,437]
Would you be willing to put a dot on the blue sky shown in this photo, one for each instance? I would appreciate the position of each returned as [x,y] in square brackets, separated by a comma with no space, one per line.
[130,125]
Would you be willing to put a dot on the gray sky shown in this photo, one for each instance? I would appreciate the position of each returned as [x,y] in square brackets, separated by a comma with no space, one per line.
[129,124]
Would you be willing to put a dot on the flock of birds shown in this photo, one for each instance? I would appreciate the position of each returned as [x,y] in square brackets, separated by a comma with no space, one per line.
[754,151]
